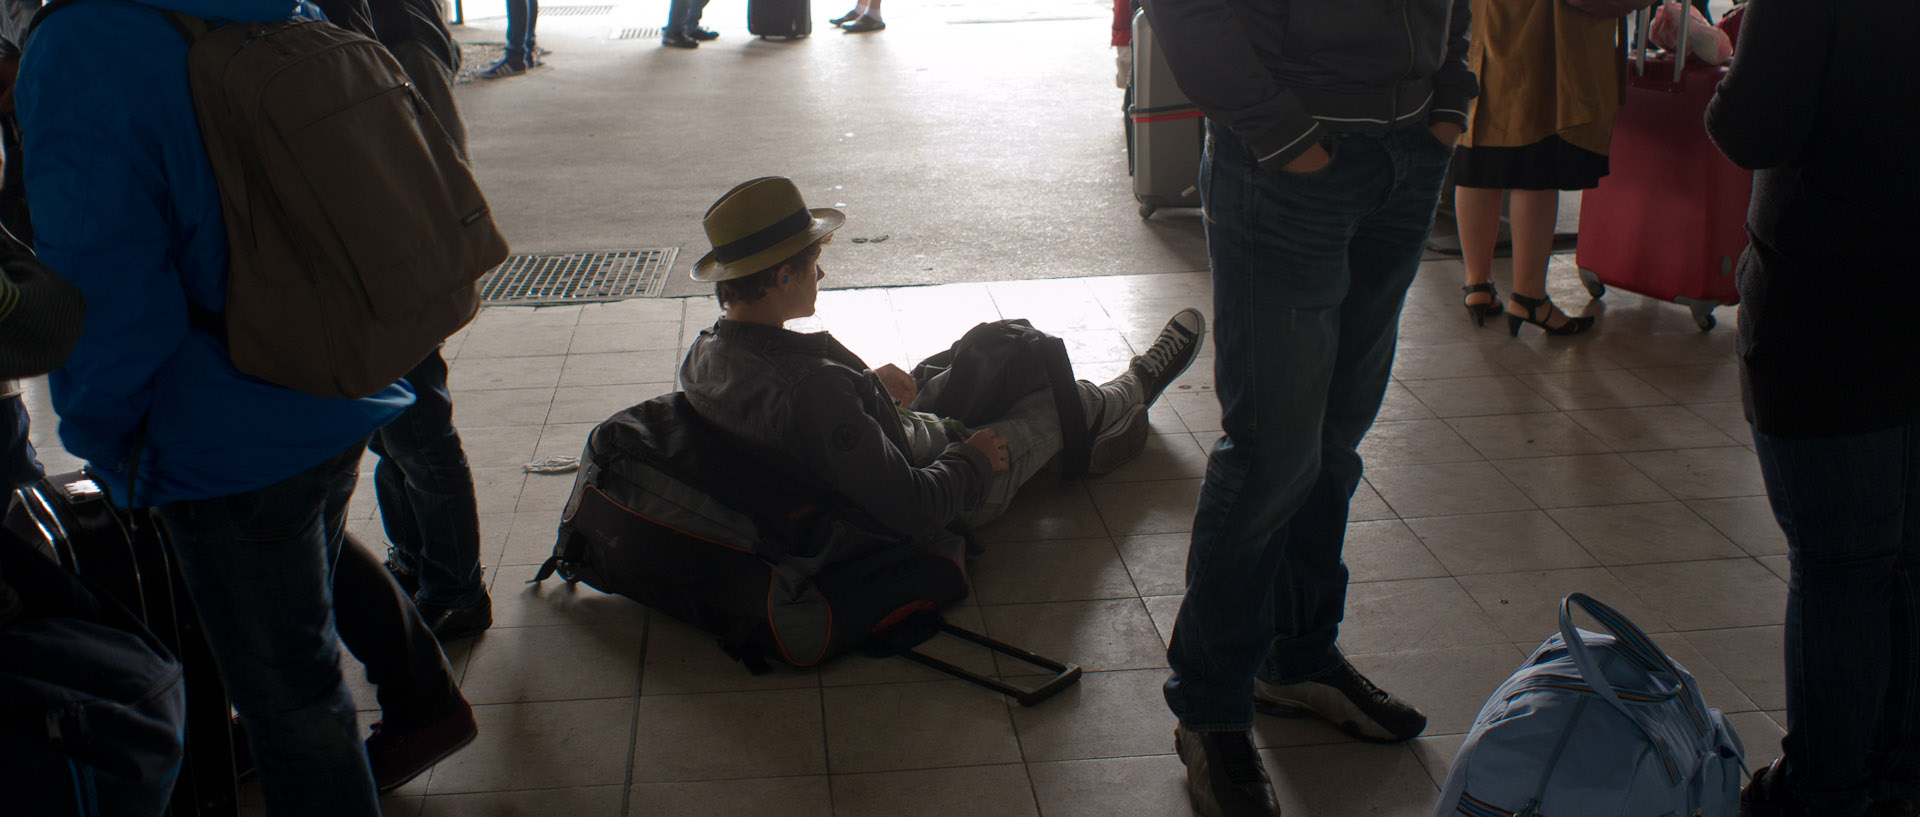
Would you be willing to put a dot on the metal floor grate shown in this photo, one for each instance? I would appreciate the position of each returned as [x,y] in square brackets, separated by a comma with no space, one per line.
[637,34]
[578,277]
[575,11]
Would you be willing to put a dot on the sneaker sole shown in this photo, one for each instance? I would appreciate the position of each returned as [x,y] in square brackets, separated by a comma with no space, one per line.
[1298,711]
[1121,445]
[431,762]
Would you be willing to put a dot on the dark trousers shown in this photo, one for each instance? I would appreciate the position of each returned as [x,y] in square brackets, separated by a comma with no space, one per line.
[426,492]
[382,628]
[1850,507]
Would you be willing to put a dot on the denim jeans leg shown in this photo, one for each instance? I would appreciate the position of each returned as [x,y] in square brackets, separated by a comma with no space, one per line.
[1310,590]
[520,30]
[1847,506]
[1031,429]
[677,13]
[426,494]
[1305,303]
[258,566]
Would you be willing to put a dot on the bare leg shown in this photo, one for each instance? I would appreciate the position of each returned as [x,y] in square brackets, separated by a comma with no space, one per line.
[1534,213]
[1476,211]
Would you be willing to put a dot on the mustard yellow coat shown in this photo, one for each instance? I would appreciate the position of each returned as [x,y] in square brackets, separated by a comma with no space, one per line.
[1545,69]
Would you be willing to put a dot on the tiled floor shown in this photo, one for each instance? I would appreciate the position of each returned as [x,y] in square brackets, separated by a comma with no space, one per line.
[1503,473]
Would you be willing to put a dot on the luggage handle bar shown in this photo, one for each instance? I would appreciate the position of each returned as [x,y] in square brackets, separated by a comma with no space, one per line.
[916,629]
[1643,32]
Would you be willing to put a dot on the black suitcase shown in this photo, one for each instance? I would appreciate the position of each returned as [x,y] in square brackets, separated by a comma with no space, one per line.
[789,19]
[69,514]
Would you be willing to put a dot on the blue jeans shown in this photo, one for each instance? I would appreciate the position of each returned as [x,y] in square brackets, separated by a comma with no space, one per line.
[683,16]
[19,466]
[520,17]
[259,566]
[1309,273]
[426,493]
[1850,507]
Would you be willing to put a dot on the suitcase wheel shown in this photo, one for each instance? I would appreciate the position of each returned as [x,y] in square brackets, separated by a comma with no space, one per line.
[1147,210]
[1703,317]
[1594,287]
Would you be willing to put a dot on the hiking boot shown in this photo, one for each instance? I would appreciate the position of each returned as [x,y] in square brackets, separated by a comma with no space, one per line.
[1224,775]
[400,755]
[1170,354]
[506,67]
[450,624]
[1345,698]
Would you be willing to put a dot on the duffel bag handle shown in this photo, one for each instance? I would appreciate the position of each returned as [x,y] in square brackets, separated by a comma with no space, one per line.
[1638,647]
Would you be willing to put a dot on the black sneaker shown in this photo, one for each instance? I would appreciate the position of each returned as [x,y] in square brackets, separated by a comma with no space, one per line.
[704,34]
[507,67]
[1224,775]
[676,39]
[1171,353]
[1346,699]
[450,624]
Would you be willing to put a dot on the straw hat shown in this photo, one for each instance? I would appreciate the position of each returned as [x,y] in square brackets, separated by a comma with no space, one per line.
[760,223]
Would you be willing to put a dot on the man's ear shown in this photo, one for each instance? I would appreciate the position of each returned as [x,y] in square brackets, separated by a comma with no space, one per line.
[783,276]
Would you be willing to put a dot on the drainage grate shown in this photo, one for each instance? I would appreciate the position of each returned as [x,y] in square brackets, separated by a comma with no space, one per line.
[637,34]
[576,277]
[575,11]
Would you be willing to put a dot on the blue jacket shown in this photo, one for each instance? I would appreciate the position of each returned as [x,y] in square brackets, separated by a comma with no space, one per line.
[125,206]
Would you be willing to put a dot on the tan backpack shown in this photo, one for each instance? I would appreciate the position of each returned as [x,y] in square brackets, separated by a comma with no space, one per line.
[357,236]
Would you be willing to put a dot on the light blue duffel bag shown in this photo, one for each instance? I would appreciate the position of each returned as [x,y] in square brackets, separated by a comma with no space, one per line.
[1553,743]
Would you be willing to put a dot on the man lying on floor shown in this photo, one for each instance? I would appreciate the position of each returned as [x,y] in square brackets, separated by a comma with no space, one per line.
[808,397]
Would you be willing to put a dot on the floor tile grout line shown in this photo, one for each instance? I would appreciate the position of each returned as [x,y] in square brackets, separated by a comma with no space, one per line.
[633,726]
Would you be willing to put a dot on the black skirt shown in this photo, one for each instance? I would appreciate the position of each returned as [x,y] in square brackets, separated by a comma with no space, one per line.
[1549,164]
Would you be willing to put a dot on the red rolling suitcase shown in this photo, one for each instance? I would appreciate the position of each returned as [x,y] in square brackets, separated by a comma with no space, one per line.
[1669,221]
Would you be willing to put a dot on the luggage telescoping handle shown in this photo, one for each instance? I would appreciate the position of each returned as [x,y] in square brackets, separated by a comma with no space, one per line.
[901,638]
[1643,27]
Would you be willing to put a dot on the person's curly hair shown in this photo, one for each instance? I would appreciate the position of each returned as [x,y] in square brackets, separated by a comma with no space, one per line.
[749,288]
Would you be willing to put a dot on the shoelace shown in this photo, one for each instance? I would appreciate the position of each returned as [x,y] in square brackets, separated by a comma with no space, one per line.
[1239,759]
[1160,355]
[1360,682]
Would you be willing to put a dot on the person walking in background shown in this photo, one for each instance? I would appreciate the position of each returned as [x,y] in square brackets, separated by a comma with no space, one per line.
[864,17]
[1831,383]
[1550,81]
[683,25]
[522,55]
[1320,190]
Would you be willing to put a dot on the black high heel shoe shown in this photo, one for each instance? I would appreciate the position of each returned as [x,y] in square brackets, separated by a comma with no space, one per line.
[1481,312]
[1573,326]
[846,18]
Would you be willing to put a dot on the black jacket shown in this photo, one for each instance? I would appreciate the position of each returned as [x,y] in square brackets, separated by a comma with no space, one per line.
[1813,105]
[1282,73]
[808,397]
